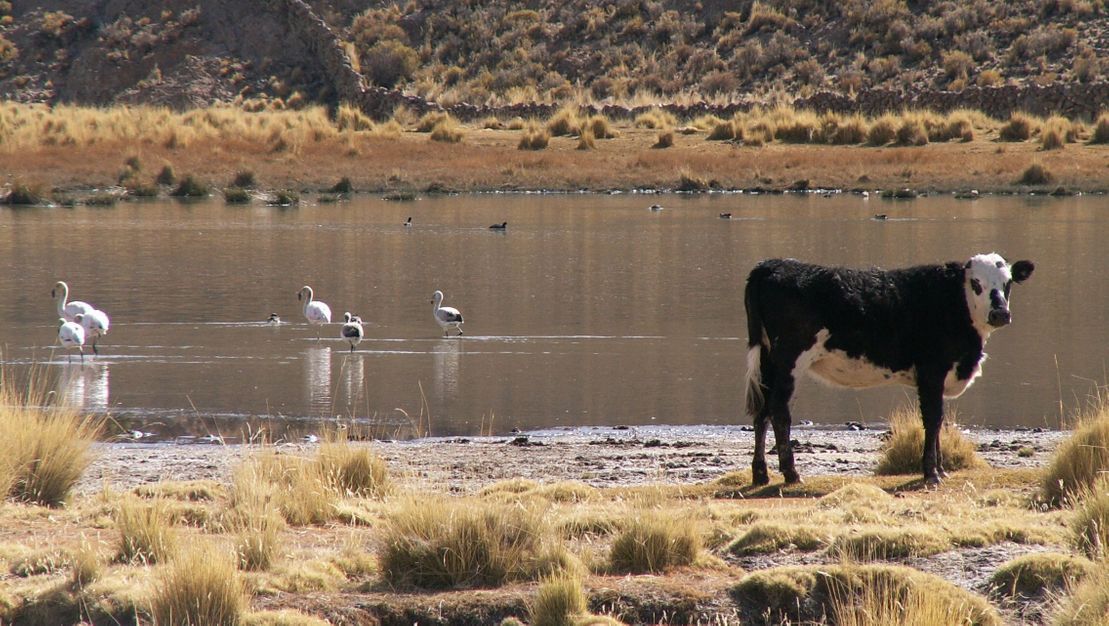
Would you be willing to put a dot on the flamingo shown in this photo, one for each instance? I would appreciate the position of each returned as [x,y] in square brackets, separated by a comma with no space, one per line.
[446,316]
[352,330]
[72,334]
[317,313]
[68,310]
[408,222]
[96,325]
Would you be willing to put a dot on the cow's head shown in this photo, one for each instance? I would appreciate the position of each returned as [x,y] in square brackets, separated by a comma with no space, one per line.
[989,277]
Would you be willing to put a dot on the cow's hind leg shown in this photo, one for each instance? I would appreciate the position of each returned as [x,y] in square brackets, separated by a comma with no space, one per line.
[930,392]
[779,411]
[759,473]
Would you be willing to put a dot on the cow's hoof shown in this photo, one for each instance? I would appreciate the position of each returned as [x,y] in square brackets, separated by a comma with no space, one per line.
[793,478]
[933,480]
[759,480]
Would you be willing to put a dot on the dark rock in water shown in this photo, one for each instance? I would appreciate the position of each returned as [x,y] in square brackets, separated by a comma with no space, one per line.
[621,427]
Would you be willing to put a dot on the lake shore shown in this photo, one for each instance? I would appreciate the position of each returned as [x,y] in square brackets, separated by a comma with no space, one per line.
[602,457]
[486,160]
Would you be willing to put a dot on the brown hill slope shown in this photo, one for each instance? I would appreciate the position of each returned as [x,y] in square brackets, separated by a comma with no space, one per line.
[195,52]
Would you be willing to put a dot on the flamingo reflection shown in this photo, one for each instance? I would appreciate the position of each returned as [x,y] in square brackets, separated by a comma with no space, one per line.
[349,386]
[317,379]
[447,355]
[85,388]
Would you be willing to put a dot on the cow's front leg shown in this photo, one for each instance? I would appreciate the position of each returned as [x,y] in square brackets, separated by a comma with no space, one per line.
[779,411]
[930,392]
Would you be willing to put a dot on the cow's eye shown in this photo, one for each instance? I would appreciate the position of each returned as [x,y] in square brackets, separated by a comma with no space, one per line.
[976,286]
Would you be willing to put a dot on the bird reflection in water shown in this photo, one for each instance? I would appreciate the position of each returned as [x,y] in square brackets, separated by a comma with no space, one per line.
[447,354]
[85,388]
[317,379]
[349,387]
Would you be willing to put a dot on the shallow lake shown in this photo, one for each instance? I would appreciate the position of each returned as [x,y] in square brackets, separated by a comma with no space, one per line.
[586,310]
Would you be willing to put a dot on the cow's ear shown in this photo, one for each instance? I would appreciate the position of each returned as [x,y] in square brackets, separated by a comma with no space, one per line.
[1022,270]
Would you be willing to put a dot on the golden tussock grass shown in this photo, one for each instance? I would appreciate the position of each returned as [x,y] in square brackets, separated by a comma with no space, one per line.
[200,586]
[861,595]
[440,544]
[44,448]
[1101,129]
[653,542]
[665,140]
[447,130]
[1020,127]
[534,137]
[882,131]
[296,486]
[1082,458]
[558,601]
[656,119]
[775,536]
[354,471]
[881,544]
[566,121]
[1087,604]
[286,617]
[903,452]
[1033,575]
[1090,525]
[586,140]
[146,533]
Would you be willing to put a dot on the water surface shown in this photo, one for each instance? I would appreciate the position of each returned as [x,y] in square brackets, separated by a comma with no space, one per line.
[587,310]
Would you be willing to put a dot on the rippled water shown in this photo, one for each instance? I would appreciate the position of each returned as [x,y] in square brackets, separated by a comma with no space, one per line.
[586,310]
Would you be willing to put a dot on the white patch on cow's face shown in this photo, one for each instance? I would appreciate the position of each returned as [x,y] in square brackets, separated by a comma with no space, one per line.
[835,368]
[987,285]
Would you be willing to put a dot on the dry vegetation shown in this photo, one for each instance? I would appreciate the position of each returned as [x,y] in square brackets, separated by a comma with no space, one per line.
[297,538]
[140,152]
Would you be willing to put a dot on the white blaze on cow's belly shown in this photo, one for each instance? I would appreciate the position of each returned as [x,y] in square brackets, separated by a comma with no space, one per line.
[953,387]
[836,368]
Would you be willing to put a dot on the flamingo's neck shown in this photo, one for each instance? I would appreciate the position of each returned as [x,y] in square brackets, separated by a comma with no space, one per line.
[307,300]
[63,295]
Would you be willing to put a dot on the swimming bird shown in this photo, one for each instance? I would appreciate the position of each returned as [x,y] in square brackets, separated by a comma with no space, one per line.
[96,325]
[317,313]
[68,310]
[446,316]
[725,216]
[501,226]
[274,320]
[352,330]
[655,207]
[72,334]
[408,222]
[879,216]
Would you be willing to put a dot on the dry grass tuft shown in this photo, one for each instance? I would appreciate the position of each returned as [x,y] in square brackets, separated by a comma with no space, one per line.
[600,127]
[1020,127]
[665,140]
[86,566]
[444,544]
[565,122]
[653,543]
[1081,459]
[44,448]
[850,594]
[1036,174]
[882,131]
[285,617]
[534,138]
[586,140]
[903,451]
[1101,129]
[429,120]
[656,119]
[688,181]
[855,494]
[447,130]
[1088,603]
[558,601]
[845,131]
[725,130]
[201,586]
[889,543]
[1091,519]
[912,132]
[1034,575]
[769,537]
[353,471]
[146,534]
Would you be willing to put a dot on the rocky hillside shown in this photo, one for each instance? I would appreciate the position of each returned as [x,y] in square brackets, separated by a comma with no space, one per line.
[498,52]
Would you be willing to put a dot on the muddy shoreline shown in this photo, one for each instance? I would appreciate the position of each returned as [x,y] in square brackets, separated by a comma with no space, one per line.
[598,456]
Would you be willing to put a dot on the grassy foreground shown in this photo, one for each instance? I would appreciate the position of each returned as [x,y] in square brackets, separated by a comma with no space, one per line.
[144,151]
[299,538]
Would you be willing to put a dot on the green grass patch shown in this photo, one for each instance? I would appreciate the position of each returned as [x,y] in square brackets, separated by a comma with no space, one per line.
[653,543]
[1034,575]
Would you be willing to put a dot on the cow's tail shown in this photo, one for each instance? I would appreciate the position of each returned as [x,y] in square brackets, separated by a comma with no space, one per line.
[754,393]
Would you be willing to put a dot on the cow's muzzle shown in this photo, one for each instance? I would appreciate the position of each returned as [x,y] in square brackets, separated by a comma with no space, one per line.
[999,317]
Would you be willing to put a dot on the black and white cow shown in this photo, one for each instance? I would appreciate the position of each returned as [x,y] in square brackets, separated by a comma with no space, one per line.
[922,326]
